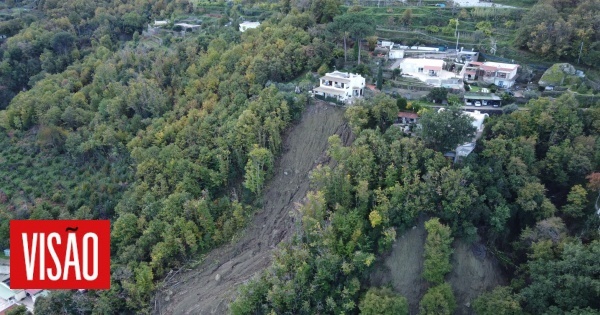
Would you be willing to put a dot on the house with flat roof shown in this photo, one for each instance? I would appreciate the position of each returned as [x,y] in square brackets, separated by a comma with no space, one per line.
[248,25]
[430,71]
[7,294]
[501,74]
[429,67]
[395,53]
[188,27]
[343,86]
[484,99]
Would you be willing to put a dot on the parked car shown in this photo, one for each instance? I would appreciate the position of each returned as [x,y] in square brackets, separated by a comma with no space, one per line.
[485,103]
[477,103]
[468,103]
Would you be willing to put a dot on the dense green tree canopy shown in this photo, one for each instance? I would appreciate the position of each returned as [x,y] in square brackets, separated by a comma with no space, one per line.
[445,129]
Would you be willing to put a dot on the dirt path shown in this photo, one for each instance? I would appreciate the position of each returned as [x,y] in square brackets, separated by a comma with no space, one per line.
[474,270]
[209,288]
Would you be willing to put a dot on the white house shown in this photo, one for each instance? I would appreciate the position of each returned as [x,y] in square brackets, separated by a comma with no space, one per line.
[385,43]
[7,294]
[160,23]
[248,25]
[341,85]
[500,74]
[396,53]
[188,27]
[429,67]
[431,71]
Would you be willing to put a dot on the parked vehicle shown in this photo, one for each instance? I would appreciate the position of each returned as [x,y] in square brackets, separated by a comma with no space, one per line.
[477,103]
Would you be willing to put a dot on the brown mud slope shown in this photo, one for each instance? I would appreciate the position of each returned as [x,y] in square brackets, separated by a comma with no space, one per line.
[474,270]
[403,266]
[209,288]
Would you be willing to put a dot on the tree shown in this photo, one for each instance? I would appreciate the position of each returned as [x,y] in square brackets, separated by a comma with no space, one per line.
[570,280]
[19,310]
[358,117]
[438,248]
[383,301]
[438,300]
[406,18]
[445,129]
[260,162]
[500,301]
[438,95]
[485,27]
[576,202]
[380,76]
[355,24]
[372,42]
[384,110]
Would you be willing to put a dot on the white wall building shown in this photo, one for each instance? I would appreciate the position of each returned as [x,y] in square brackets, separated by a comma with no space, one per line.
[428,67]
[396,53]
[341,85]
[500,74]
[248,25]
[431,71]
[188,27]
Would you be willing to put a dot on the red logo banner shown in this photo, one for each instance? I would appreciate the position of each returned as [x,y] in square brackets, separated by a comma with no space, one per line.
[60,254]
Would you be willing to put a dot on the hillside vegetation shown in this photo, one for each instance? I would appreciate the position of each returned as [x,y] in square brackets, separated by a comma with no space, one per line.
[173,138]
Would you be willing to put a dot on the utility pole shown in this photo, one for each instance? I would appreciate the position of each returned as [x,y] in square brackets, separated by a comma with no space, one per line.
[457,37]
[580,49]
[457,43]
[456,28]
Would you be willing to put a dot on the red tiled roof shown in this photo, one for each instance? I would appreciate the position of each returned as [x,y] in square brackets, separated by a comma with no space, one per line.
[488,68]
[408,115]
[432,68]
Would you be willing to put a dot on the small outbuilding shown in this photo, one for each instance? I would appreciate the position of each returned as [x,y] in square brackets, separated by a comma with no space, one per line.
[406,118]
[248,25]
[482,99]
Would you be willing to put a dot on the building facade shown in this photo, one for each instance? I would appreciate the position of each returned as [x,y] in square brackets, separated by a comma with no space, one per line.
[501,74]
[248,25]
[342,86]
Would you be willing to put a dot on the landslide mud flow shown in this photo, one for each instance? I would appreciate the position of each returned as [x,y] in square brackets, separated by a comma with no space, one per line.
[209,288]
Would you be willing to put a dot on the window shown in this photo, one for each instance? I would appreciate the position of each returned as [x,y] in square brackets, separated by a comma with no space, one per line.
[420,70]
